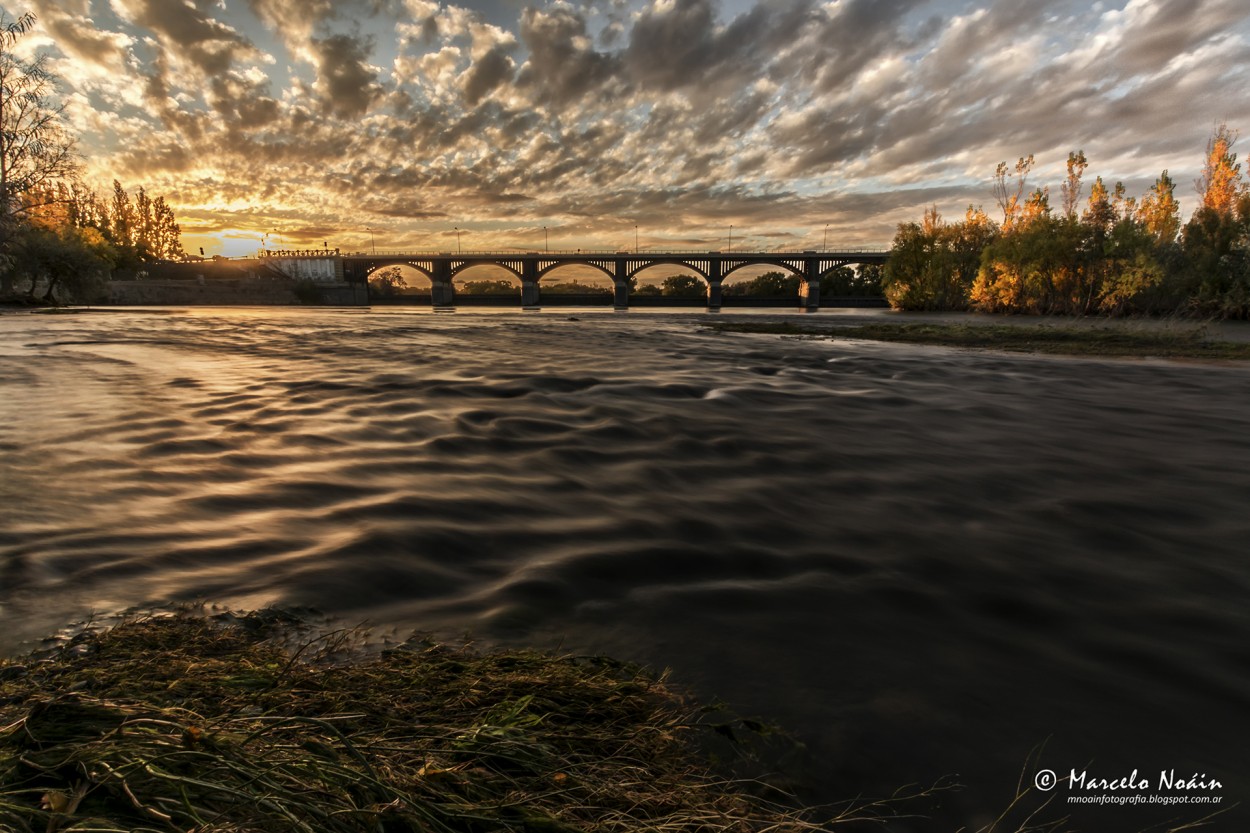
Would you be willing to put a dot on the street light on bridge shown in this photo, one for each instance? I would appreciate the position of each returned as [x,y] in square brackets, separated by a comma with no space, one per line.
[635,238]
[824,247]
[457,239]
[372,243]
[731,238]
[546,245]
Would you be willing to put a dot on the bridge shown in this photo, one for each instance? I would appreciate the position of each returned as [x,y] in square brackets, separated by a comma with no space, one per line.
[531,267]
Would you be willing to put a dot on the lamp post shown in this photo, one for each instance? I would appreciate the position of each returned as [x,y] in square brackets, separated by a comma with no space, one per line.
[372,242]
[635,239]
[824,247]
[546,245]
[731,238]
[457,239]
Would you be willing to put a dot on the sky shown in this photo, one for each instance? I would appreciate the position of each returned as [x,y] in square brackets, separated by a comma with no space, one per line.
[604,124]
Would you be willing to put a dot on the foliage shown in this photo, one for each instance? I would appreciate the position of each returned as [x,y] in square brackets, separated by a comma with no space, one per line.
[75,261]
[932,266]
[1104,262]
[36,150]
[768,285]
[1159,211]
[1216,240]
[575,287]
[142,229]
[387,282]
[683,286]
[484,287]
[868,281]
[1220,185]
[1117,257]
[1008,193]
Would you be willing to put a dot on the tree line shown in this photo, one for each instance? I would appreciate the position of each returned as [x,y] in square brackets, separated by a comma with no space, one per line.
[56,233]
[1099,251]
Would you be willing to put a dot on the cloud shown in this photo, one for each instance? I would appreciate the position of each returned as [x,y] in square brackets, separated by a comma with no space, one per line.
[78,37]
[186,32]
[685,114]
[346,83]
[487,73]
[563,65]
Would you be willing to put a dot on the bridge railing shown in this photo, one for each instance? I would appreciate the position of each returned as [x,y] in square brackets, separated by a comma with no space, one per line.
[612,253]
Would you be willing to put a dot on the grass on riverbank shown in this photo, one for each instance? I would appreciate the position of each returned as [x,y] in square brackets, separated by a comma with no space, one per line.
[183,723]
[1114,340]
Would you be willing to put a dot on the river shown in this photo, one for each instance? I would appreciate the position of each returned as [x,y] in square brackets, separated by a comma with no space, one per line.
[923,562]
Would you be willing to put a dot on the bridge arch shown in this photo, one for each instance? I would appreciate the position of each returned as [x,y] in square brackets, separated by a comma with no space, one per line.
[551,267]
[781,263]
[666,261]
[378,265]
[471,263]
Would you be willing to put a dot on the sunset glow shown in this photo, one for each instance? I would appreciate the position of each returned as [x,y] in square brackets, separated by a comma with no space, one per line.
[316,121]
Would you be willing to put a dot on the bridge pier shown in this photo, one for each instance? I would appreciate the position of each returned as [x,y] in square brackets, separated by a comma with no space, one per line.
[714,293]
[620,288]
[809,285]
[442,294]
[530,293]
[715,276]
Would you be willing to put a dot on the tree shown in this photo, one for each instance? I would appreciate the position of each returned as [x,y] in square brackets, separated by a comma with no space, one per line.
[840,280]
[145,227]
[499,287]
[1071,188]
[167,234]
[74,260]
[867,281]
[1008,194]
[1099,215]
[1216,240]
[932,266]
[683,286]
[122,219]
[1159,211]
[1131,272]
[575,287]
[387,283]
[35,149]
[769,285]
[1220,184]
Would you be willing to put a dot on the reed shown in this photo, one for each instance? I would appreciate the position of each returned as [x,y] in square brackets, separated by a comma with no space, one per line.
[188,723]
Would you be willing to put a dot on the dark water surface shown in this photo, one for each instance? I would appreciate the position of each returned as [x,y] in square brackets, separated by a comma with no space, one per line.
[922,561]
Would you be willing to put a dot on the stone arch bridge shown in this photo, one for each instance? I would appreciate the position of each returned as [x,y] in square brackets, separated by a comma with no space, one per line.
[620,267]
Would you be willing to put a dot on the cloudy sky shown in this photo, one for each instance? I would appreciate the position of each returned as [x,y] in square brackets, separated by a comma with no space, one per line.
[316,120]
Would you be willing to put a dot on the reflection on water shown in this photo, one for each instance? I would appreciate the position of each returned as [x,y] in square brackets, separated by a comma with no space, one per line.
[923,561]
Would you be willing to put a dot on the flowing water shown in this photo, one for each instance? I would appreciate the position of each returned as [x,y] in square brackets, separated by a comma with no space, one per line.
[923,562]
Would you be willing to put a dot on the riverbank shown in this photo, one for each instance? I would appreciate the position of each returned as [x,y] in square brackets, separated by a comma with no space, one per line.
[240,722]
[1067,337]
